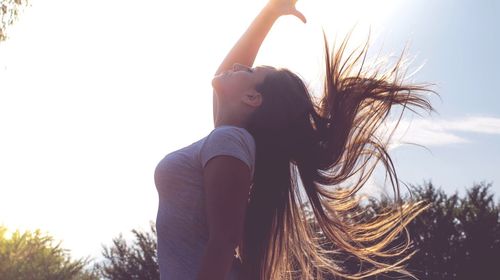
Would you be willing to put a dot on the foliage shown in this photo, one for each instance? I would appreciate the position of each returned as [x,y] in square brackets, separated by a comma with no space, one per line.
[9,13]
[457,238]
[32,255]
[131,261]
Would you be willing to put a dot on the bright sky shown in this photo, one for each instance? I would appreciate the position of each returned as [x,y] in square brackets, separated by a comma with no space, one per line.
[95,93]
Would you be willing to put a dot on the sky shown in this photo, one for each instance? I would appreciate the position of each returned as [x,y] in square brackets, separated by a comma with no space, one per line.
[95,93]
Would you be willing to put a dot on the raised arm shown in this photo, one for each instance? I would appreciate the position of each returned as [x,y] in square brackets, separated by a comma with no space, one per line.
[246,48]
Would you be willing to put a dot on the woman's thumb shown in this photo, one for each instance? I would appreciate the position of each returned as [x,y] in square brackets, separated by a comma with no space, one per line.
[300,16]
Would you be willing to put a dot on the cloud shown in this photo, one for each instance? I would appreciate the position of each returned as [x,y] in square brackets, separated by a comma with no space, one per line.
[489,125]
[438,132]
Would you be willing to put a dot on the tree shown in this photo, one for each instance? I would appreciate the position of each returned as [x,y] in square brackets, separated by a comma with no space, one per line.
[435,234]
[479,224]
[32,255]
[457,238]
[131,261]
[9,13]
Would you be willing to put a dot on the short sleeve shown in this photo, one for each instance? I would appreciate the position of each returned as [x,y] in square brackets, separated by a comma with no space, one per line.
[231,141]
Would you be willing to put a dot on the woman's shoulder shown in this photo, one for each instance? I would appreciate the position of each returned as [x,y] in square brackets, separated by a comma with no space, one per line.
[227,126]
[229,140]
[226,132]
[231,129]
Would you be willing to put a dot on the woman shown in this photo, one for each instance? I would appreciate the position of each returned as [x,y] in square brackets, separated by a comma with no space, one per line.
[229,205]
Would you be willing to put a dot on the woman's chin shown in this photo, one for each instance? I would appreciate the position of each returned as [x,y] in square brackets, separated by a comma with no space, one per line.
[216,82]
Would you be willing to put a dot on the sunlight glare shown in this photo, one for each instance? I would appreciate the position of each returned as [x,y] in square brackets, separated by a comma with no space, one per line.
[103,103]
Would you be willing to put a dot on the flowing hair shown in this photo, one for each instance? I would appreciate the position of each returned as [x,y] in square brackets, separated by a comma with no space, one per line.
[323,144]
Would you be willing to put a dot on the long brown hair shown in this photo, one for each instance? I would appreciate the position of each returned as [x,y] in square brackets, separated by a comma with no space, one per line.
[323,144]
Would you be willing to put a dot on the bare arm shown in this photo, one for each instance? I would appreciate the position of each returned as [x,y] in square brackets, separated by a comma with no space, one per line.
[246,48]
[227,183]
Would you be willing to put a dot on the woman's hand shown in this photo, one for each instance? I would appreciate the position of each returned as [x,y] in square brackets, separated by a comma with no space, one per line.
[285,7]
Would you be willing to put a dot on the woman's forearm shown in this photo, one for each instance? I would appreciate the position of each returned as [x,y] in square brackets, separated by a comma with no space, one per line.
[217,260]
[246,48]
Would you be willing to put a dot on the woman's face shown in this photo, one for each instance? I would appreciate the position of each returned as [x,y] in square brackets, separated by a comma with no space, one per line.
[240,81]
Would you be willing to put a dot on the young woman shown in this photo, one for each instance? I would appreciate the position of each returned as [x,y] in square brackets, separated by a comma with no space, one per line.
[228,204]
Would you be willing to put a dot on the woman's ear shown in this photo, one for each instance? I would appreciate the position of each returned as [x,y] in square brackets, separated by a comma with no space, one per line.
[253,98]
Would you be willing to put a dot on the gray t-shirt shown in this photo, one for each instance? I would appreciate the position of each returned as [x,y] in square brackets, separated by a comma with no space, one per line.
[181,225]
